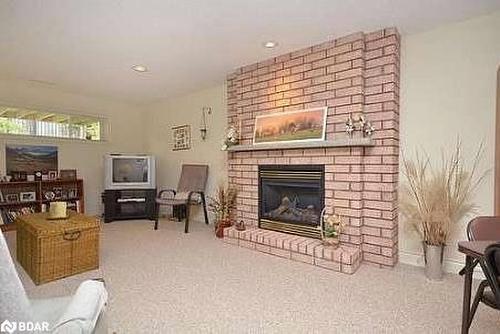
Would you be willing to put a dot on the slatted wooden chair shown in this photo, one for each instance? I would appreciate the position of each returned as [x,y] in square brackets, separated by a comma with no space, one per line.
[191,184]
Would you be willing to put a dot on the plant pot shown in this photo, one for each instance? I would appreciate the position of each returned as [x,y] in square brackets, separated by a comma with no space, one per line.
[433,256]
[334,242]
[219,230]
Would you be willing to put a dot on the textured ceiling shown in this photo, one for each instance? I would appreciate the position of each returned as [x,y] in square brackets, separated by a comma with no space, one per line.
[89,46]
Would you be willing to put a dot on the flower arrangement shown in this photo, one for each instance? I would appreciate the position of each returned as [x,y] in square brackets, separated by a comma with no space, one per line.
[331,227]
[222,205]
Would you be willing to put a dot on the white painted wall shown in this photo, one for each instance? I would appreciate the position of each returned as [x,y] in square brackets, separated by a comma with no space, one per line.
[162,116]
[448,88]
[126,135]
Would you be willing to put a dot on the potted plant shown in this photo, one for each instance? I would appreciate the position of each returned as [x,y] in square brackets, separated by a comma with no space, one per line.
[222,205]
[331,227]
[435,199]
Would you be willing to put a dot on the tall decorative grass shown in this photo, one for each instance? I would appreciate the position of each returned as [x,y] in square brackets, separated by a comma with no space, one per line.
[435,199]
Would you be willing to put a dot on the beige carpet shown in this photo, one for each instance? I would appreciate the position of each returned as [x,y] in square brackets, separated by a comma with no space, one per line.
[166,281]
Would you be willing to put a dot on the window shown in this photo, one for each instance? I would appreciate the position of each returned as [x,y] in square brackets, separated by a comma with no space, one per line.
[30,122]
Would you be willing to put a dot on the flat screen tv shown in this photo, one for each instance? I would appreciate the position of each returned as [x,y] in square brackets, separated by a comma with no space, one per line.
[129,171]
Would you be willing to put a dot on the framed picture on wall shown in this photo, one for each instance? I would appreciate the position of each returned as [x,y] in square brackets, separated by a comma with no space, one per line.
[181,137]
[291,126]
[30,158]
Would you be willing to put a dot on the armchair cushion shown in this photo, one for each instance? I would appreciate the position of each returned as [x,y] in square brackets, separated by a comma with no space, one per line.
[83,311]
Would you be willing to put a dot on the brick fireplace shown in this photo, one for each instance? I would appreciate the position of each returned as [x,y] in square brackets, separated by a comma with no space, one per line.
[355,74]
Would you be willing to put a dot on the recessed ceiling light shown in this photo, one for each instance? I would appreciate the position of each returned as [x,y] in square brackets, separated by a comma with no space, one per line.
[270,44]
[140,68]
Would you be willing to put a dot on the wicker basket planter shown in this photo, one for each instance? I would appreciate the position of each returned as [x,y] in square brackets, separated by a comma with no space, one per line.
[50,250]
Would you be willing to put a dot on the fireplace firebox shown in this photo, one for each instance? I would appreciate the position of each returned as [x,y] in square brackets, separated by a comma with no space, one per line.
[291,198]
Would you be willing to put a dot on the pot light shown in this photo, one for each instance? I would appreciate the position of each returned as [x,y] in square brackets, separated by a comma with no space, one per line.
[270,44]
[140,68]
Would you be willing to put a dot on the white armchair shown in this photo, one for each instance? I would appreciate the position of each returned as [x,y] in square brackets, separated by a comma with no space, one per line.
[82,313]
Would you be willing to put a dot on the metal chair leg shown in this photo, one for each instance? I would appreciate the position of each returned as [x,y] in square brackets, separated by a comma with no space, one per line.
[477,299]
[186,224]
[157,215]
[204,202]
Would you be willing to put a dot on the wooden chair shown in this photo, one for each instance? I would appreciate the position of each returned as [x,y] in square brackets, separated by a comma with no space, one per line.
[192,181]
[488,291]
[486,228]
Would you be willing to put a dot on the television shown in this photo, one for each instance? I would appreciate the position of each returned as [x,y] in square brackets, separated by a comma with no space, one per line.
[124,171]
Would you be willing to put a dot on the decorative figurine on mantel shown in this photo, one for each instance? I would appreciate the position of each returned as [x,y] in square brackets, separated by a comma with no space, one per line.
[232,137]
[349,126]
[368,130]
[362,124]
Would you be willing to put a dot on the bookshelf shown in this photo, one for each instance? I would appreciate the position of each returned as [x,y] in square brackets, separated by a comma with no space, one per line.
[17,198]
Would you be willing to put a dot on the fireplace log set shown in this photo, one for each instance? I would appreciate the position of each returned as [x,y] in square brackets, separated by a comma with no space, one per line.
[291,212]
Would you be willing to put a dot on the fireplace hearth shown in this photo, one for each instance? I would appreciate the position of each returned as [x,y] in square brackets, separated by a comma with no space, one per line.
[291,198]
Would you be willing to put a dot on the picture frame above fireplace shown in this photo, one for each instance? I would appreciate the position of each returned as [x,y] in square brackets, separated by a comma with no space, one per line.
[291,126]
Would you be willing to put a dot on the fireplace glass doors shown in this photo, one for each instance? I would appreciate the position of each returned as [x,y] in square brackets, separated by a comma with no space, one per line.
[291,198]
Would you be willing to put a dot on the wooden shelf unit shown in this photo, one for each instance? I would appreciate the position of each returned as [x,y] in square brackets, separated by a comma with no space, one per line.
[41,188]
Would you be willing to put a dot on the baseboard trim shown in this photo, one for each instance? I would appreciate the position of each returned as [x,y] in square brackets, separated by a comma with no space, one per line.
[449,266]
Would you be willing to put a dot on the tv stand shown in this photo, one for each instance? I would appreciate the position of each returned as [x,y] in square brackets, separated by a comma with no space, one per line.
[123,204]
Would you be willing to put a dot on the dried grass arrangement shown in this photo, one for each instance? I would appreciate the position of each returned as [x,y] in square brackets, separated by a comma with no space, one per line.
[434,199]
[223,204]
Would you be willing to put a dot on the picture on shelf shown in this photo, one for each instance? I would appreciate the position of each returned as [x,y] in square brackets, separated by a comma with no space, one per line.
[12,198]
[67,174]
[72,193]
[18,176]
[30,158]
[28,196]
[49,195]
[57,192]
[52,175]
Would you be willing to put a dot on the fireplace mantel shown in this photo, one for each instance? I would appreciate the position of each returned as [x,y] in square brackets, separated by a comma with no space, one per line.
[344,142]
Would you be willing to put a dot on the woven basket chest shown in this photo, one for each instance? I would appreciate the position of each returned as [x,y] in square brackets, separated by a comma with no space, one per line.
[53,249]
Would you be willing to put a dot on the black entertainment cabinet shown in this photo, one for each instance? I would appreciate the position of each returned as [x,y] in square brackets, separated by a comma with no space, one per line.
[129,204]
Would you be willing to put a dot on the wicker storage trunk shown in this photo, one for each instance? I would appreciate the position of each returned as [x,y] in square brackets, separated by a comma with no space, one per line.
[53,249]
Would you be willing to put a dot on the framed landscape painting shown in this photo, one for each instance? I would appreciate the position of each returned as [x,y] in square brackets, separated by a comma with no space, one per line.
[291,126]
[30,158]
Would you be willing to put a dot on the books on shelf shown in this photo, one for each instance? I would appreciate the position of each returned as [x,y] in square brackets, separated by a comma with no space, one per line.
[8,216]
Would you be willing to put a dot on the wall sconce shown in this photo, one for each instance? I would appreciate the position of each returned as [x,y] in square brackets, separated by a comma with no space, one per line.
[203,128]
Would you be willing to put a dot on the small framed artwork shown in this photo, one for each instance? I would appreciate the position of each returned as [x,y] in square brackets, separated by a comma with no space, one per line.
[38,175]
[58,192]
[28,196]
[291,126]
[12,198]
[72,193]
[49,195]
[182,137]
[30,177]
[52,175]
[18,176]
[45,177]
[67,174]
